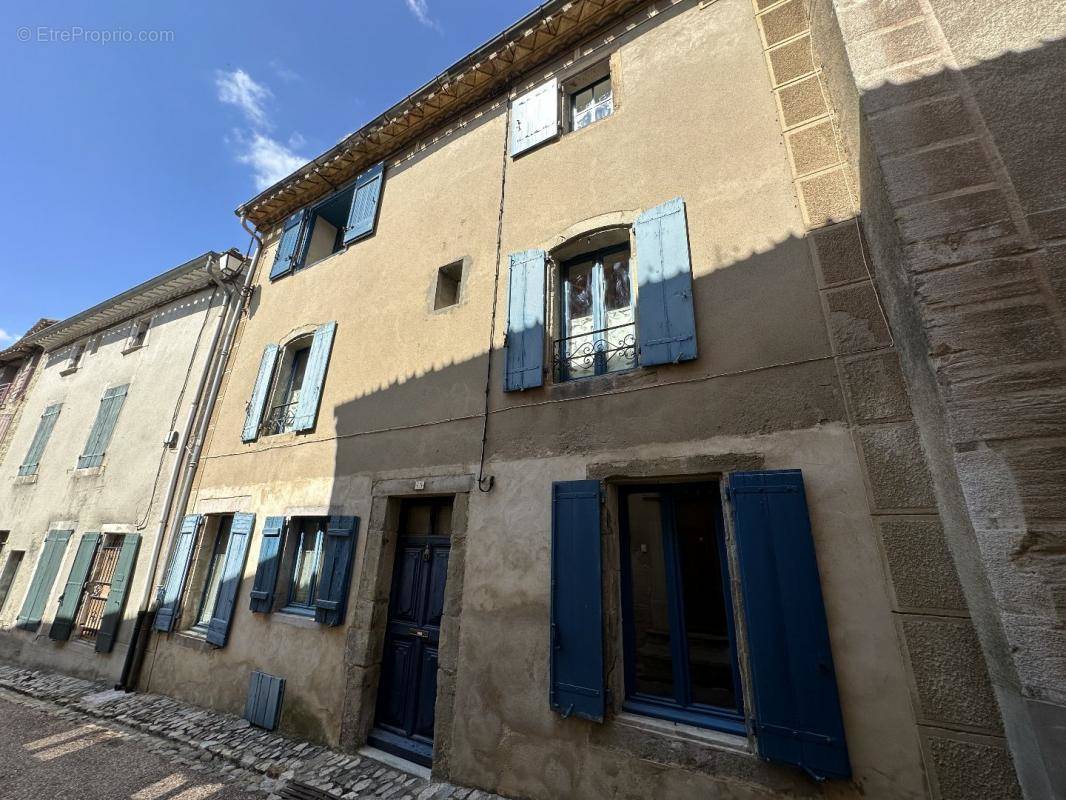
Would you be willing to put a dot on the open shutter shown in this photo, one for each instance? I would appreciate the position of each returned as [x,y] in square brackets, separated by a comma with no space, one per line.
[576,601]
[71,597]
[116,594]
[314,375]
[797,711]
[253,415]
[240,533]
[363,212]
[103,427]
[55,545]
[40,440]
[535,117]
[341,536]
[174,582]
[666,325]
[291,234]
[266,572]
[525,321]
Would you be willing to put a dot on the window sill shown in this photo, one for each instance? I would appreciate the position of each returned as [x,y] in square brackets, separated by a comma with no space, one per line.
[25,480]
[297,618]
[131,349]
[719,740]
[194,639]
[68,370]
[88,472]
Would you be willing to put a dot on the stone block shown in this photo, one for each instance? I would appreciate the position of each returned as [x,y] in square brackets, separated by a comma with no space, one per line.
[1012,417]
[991,281]
[950,216]
[1039,649]
[972,767]
[875,388]
[761,5]
[896,467]
[1024,568]
[922,572]
[813,148]
[856,321]
[879,51]
[1000,238]
[840,254]
[862,19]
[783,22]
[1048,224]
[826,198]
[905,84]
[919,125]
[791,61]
[950,676]
[801,102]
[918,175]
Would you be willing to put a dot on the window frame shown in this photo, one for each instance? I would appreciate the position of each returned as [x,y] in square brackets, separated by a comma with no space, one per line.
[701,715]
[286,358]
[77,355]
[138,336]
[295,535]
[199,626]
[313,214]
[591,85]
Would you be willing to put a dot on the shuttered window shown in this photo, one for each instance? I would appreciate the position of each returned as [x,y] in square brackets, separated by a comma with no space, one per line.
[292,233]
[103,427]
[336,570]
[525,321]
[55,546]
[70,600]
[225,602]
[260,390]
[173,586]
[40,440]
[266,571]
[535,117]
[363,214]
[112,602]
[314,376]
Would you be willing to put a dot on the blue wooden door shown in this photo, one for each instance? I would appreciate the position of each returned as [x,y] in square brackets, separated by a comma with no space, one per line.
[408,690]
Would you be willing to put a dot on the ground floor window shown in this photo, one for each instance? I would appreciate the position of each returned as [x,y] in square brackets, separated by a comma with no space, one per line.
[308,535]
[7,577]
[680,651]
[214,574]
[98,587]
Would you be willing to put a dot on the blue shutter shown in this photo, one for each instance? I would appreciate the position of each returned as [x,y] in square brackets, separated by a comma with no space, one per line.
[525,321]
[286,256]
[797,711]
[265,693]
[535,117]
[40,440]
[366,198]
[240,532]
[174,582]
[116,594]
[666,326]
[253,414]
[336,572]
[576,601]
[69,601]
[314,375]
[266,572]
[55,545]
[103,427]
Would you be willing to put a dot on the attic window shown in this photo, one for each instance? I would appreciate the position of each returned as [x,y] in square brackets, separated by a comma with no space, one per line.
[449,285]
[591,96]
[74,361]
[138,334]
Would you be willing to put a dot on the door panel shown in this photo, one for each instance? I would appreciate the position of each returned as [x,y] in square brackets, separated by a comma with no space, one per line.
[396,668]
[426,693]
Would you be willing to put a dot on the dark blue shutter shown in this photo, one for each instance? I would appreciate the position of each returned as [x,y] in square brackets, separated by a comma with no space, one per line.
[55,545]
[366,198]
[103,427]
[797,711]
[291,233]
[240,532]
[70,600]
[266,571]
[265,693]
[174,582]
[666,326]
[314,376]
[40,440]
[116,594]
[576,601]
[253,414]
[525,321]
[336,572]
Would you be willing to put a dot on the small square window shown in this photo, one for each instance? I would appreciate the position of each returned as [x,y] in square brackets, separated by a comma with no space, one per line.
[74,361]
[449,285]
[138,334]
[591,103]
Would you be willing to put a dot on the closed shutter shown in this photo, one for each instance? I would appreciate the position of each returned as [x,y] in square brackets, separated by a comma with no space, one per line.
[265,693]
[103,427]
[535,117]
[253,415]
[240,533]
[266,571]
[366,198]
[525,321]
[314,375]
[174,582]
[577,687]
[666,325]
[40,440]
[291,233]
[116,595]
[71,597]
[797,710]
[341,537]
[55,545]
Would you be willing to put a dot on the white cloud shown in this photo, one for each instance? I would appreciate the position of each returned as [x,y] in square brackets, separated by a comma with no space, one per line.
[269,159]
[5,337]
[283,72]
[420,8]
[239,89]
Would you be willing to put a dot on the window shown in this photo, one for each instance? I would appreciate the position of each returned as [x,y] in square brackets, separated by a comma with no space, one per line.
[104,425]
[598,330]
[281,417]
[97,586]
[680,654]
[216,559]
[306,560]
[74,360]
[591,103]
[7,577]
[449,283]
[40,440]
[326,225]
[138,334]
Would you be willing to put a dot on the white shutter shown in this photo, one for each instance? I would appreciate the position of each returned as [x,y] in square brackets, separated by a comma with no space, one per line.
[535,117]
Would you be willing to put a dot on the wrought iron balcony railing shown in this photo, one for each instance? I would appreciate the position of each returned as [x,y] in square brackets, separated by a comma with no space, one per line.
[279,419]
[596,352]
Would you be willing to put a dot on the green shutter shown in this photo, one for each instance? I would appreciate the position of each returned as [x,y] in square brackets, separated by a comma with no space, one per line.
[116,595]
[314,376]
[174,583]
[256,403]
[70,600]
[40,440]
[55,545]
[103,427]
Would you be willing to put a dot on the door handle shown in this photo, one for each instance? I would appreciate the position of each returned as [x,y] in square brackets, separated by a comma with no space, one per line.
[421,634]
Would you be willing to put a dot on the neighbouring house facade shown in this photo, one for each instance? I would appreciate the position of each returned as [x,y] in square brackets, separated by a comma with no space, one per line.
[18,364]
[87,478]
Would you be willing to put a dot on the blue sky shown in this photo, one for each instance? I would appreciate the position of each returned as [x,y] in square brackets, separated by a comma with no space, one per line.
[126,158]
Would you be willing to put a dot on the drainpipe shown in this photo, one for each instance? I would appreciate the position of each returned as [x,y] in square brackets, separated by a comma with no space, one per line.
[214,367]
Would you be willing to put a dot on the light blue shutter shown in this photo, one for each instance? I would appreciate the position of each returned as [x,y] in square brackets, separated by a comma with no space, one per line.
[525,321]
[240,533]
[69,601]
[254,413]
[116,594]
[336,572]
[666,326]
[266,571]
[314,375]
[265,693]
[174,582]
[40,440]
[103,427]
[363,212]
[535,117]
[291,233]
[55,545]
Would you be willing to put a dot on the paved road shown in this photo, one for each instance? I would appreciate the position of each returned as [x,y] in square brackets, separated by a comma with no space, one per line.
[44,756]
